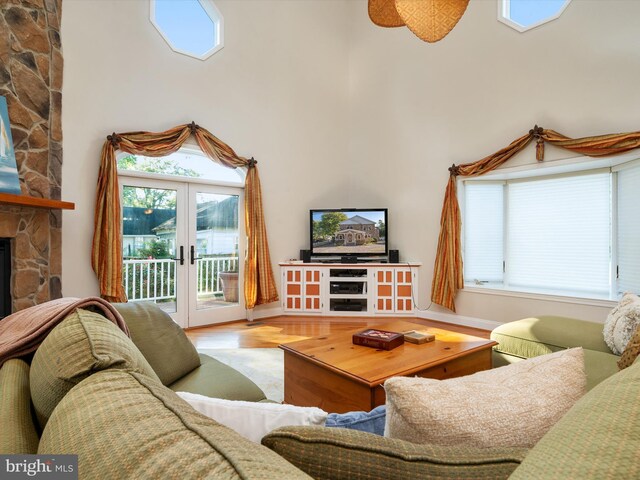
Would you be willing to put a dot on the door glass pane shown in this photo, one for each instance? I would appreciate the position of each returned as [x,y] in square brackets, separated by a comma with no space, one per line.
[149,245]
[217,250]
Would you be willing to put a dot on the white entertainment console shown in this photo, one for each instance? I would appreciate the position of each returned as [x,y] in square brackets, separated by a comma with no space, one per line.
[360,289]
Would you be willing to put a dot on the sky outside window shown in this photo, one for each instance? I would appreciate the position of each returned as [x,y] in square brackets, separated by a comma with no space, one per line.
[528,12]
[186,25]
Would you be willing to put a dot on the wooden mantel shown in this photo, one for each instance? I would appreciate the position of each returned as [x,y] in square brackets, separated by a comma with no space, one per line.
[35,202]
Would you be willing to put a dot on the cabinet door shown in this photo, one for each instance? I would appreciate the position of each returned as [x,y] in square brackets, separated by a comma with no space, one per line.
[384,290]
[403,290]
[292,286]
[312,289]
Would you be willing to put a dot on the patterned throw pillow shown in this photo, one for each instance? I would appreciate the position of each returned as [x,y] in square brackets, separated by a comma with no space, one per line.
[512,406]
[631,352]
[621,322]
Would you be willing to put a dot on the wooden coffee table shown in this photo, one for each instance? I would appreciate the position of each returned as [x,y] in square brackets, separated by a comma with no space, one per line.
[332,373]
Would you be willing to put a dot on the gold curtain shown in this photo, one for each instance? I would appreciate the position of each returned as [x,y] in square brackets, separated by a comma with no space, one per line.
[447,272]
[106,254]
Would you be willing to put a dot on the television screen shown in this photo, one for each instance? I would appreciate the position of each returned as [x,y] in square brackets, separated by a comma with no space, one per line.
[349,232]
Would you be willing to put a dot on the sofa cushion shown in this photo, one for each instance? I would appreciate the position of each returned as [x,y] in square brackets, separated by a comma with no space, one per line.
[598,438]
[127,425]
[341,454]
[531,337]
[82,344]
[508,406]
[622,322]
[161,340]
[215,379]
[18,434]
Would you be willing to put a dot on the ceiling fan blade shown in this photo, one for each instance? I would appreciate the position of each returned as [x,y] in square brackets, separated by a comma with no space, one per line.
[384,14]
[431,20]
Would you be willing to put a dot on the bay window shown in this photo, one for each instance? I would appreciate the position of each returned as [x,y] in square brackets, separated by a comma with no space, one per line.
[573,234]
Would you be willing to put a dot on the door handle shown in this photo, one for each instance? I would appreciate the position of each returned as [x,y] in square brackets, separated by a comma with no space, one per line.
[181,257]
[193,255]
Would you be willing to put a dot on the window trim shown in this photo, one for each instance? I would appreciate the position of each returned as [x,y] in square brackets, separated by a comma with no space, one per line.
[504,7]
[558,168]
[214,14]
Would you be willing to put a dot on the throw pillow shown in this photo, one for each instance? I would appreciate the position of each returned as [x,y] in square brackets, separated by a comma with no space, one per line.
[511,406]
[79,346]
[253,420]
[372,422]
[632,352]
[621,322]
[156,334]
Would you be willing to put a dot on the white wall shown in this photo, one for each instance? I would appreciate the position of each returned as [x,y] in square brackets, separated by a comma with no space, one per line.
[276,91]
[340,112]
[416,108]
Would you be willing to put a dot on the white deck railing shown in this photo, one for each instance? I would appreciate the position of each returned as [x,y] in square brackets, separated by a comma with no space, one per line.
[154,279]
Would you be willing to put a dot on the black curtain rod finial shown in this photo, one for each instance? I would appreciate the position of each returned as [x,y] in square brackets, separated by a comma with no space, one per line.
[114,138]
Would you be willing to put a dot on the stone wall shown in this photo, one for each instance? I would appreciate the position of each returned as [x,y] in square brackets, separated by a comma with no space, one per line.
[31,80]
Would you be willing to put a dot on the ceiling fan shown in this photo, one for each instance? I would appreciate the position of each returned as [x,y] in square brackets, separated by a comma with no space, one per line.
[430,20]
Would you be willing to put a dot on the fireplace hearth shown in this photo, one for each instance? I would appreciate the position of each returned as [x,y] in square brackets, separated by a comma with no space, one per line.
[5,277]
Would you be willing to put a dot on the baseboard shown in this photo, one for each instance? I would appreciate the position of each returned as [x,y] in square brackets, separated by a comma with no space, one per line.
[264,312]
[276,311]
[459,320]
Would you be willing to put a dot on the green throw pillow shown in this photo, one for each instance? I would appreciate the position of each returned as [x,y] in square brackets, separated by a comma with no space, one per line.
[82,344]
[161,340]
[343,454]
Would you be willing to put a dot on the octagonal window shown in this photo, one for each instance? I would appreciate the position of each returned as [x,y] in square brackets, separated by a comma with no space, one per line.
[190,27]
[524,15]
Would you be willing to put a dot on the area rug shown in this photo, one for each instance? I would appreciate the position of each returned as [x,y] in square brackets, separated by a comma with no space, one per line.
[264,366]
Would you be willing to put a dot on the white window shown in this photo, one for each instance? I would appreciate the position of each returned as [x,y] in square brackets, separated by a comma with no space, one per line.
[574,234]
[523,15]
[191,27]
[186,162]
[628,241]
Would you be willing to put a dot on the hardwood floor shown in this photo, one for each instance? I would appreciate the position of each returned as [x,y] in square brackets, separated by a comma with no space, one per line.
[271,332]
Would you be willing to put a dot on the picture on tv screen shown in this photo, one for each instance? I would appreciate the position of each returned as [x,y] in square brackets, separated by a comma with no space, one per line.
[349,232]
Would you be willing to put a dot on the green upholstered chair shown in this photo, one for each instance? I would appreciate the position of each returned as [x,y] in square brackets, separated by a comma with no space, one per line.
[176,361]
[544,334]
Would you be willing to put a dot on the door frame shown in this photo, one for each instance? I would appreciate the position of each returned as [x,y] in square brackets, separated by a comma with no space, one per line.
[186,278]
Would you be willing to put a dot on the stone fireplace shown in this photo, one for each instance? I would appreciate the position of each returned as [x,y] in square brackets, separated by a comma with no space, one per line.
[31,81]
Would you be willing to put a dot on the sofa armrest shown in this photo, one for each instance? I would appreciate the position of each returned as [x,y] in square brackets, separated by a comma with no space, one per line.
[341,454]
[18,434]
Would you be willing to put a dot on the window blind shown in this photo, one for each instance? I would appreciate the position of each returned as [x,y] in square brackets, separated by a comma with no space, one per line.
[629,229]
[558,234]
[483,232]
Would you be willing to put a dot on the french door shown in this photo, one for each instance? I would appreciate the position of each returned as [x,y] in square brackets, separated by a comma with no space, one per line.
[182,246]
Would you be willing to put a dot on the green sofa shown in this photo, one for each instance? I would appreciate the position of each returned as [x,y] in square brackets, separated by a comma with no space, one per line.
[535,336]
[90,391]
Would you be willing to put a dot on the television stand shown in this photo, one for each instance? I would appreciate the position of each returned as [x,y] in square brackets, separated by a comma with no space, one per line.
[343,289]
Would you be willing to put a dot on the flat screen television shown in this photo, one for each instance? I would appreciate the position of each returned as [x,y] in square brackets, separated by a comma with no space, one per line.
[349,232]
